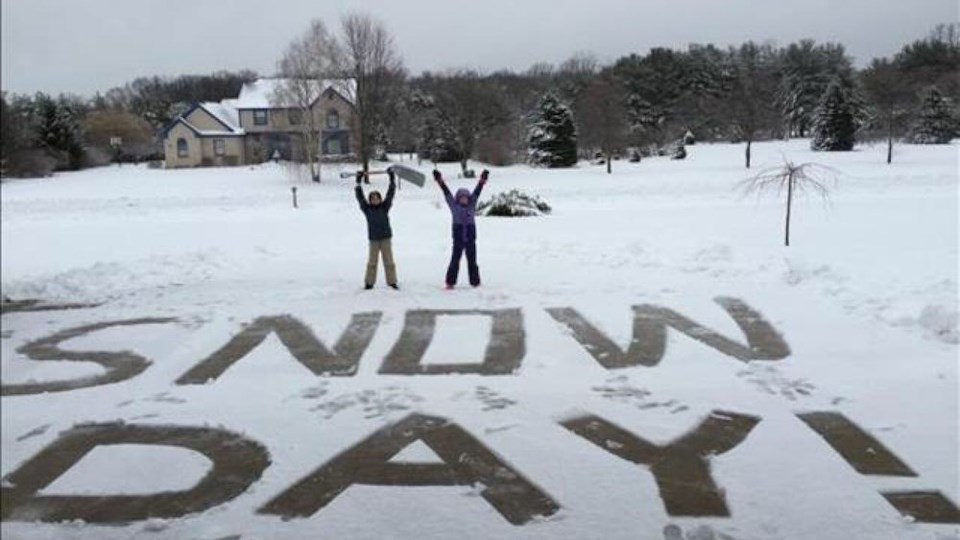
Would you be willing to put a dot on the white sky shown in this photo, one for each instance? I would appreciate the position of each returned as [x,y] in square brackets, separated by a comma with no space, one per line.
[82,46]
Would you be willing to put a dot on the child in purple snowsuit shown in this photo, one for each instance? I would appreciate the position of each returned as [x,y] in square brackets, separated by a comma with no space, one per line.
[463,208]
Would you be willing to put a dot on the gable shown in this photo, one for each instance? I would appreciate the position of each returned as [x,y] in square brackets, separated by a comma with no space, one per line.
[263,93]
[181,129]
[201,119]
[331,96]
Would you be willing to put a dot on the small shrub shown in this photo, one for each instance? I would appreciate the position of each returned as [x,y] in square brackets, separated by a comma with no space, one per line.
[29,163]
[679,151]
[514,204]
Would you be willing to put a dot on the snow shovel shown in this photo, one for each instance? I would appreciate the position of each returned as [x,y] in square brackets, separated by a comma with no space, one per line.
[405,173]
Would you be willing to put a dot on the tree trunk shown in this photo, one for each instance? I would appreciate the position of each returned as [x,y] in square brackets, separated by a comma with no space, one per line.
[749,142]
[609,164]
[786,241]
[463,167]
[889,139]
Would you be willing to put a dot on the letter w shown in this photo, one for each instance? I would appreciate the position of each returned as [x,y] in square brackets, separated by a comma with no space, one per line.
[649,342]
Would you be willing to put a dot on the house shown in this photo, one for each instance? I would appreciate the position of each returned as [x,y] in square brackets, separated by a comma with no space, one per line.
[262,123]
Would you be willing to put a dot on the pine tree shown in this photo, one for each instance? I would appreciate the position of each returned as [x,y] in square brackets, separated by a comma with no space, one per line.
[436,140]
[58,131]
[935,124]
[553,135]
[834,122]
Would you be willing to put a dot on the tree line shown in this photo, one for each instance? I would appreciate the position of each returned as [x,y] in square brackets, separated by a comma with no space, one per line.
[551,115]
[43,133]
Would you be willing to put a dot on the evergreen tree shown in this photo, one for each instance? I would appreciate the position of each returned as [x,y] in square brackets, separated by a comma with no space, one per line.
[437,139]
[935,124]
[806,70]
[655,85]
[58,131]
[834,121]
[553,135]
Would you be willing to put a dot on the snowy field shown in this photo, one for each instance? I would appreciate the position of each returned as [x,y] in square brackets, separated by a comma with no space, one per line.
[819,381]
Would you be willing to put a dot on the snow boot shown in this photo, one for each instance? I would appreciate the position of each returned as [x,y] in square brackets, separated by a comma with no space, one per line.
[474,275]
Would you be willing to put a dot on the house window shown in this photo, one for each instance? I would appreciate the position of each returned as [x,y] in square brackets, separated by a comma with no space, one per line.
[260,117]
[333,119]
[295,116]
[333,147]
[219,149]
[182,149]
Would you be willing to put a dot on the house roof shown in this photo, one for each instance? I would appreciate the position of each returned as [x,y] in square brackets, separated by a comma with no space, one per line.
[259,94]
[225,112]
[201,132]
[222,112]
[263,93]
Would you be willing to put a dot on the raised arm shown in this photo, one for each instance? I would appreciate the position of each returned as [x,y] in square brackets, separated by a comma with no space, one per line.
[443,186]
[483,181]
[358,191]
[391,191]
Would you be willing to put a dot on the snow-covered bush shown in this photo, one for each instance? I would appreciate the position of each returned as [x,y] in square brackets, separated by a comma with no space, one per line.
[679,151]
[514,204]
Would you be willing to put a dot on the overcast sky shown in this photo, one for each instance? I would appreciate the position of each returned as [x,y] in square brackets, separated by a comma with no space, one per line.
[82,46]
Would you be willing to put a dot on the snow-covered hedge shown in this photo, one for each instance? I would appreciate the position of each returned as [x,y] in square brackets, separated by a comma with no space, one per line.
[514,204]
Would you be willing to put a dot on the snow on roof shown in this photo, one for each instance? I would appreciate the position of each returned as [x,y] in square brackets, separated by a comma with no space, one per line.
[259,94]
[209,132]
[223,111]
[262,93]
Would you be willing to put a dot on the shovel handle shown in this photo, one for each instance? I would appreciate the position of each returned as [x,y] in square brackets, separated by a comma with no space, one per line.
[347,174]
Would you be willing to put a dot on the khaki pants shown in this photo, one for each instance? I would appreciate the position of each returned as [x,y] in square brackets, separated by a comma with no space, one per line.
[381,248]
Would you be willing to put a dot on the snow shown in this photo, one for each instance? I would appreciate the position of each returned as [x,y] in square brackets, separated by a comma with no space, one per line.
[225,111]
[261,93]
[866,297]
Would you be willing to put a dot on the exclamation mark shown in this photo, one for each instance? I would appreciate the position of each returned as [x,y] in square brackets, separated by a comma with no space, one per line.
[869,456]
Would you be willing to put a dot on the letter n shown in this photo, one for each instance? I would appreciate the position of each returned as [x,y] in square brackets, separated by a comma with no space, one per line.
[299,340]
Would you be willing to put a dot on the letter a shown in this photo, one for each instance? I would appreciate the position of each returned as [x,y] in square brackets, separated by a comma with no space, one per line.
[466,462]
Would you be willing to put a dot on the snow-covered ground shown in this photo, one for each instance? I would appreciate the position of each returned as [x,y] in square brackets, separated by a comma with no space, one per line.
[865,299]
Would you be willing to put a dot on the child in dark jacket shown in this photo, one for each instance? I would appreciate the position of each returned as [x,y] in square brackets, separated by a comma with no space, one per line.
[377,212]
[463,208]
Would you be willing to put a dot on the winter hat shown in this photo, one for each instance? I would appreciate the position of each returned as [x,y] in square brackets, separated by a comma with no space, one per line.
[462,192]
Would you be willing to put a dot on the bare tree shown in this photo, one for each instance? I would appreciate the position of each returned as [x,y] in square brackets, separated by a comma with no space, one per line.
[576,73]
[306,65]
[471,105]
[370,57]
[753,87]
[889,96]
[795,179]
[601,117]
